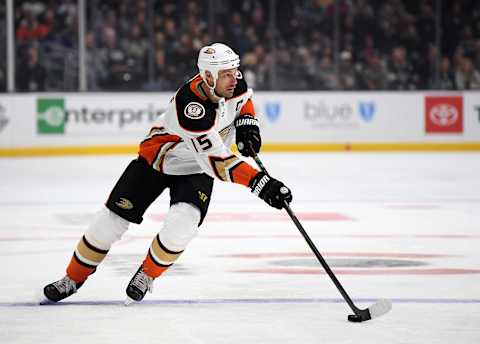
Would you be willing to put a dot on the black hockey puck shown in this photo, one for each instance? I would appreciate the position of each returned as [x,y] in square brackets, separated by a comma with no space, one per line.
[355,318]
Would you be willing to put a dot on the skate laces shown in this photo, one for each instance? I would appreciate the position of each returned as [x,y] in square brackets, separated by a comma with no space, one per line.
[65,285]
[143,282]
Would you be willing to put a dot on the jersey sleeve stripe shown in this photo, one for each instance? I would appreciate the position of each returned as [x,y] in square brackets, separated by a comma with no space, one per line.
[232,169]
[150,147]
[162,153]
[242,173]
[220,166]
[248,109]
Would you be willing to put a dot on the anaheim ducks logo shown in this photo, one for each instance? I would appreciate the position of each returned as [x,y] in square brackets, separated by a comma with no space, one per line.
[209,51]
[124,204]
[194,110]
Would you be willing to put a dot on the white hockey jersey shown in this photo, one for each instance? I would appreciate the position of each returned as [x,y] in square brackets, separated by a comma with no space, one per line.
[194,135]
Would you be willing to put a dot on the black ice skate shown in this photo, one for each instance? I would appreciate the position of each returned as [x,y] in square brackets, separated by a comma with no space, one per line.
[138,286]
[60,289]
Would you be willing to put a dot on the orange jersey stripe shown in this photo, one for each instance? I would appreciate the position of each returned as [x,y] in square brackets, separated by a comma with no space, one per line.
[248,108]
[149,148]
[242,173]
[194,85]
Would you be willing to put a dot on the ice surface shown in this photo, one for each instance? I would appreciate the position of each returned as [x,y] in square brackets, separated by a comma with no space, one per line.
[399,226]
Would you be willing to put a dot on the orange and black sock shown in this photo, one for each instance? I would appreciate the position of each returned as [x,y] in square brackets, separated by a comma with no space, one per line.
[85,260]
[159,258]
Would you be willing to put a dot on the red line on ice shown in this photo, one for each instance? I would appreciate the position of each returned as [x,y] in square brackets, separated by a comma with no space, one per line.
[334,254]
[315,271]
[267,217]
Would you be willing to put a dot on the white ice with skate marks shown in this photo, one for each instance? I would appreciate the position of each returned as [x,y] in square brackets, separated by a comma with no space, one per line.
[395,226]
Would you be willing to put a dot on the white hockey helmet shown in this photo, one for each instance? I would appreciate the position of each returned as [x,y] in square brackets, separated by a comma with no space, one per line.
[215,58]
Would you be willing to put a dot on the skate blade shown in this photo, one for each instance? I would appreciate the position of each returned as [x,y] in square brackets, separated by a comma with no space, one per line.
[41,299]
[46,302]
[129,301]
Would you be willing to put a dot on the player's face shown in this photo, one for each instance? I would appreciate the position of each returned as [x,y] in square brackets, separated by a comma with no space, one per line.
[226,82]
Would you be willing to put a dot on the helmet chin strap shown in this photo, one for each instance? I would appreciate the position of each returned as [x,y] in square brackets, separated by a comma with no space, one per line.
[211,90]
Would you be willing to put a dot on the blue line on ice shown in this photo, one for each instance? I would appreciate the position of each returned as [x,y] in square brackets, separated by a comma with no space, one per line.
[241,301]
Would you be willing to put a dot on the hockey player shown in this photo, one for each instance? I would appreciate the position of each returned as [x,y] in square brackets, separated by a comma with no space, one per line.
[185,151]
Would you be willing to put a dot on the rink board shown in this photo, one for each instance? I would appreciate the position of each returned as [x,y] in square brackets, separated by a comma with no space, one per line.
[114,123]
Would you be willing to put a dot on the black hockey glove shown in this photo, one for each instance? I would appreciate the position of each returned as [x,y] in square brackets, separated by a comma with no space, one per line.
[248,134]
[272,191]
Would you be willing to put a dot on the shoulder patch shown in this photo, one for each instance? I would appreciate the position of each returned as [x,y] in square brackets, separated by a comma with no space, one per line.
[194,114]
[194,110]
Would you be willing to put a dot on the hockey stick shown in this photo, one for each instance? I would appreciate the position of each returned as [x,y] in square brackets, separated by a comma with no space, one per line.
[379,308]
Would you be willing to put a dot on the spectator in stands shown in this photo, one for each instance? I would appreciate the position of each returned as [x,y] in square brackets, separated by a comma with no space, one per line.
[409,38]
[264,61]
[397,34]
[30,30]
[446,80]
[114,58]
[347,78]
[309,70]
[31,75]
[136,46]
[426,67]
[164,73]
[467,43]
[96,71]
[400,72]
[327,76]
[373,75]
[236,32]
[249,64]
[466,76]
[196,29]
[182,55]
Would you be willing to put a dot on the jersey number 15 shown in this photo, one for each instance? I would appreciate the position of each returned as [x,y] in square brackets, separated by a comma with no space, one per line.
[202,142]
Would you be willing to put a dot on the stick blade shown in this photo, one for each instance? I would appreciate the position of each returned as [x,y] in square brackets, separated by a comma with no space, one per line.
[381,307]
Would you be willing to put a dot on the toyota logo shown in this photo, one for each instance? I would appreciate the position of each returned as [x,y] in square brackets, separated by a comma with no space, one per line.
[444,115]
